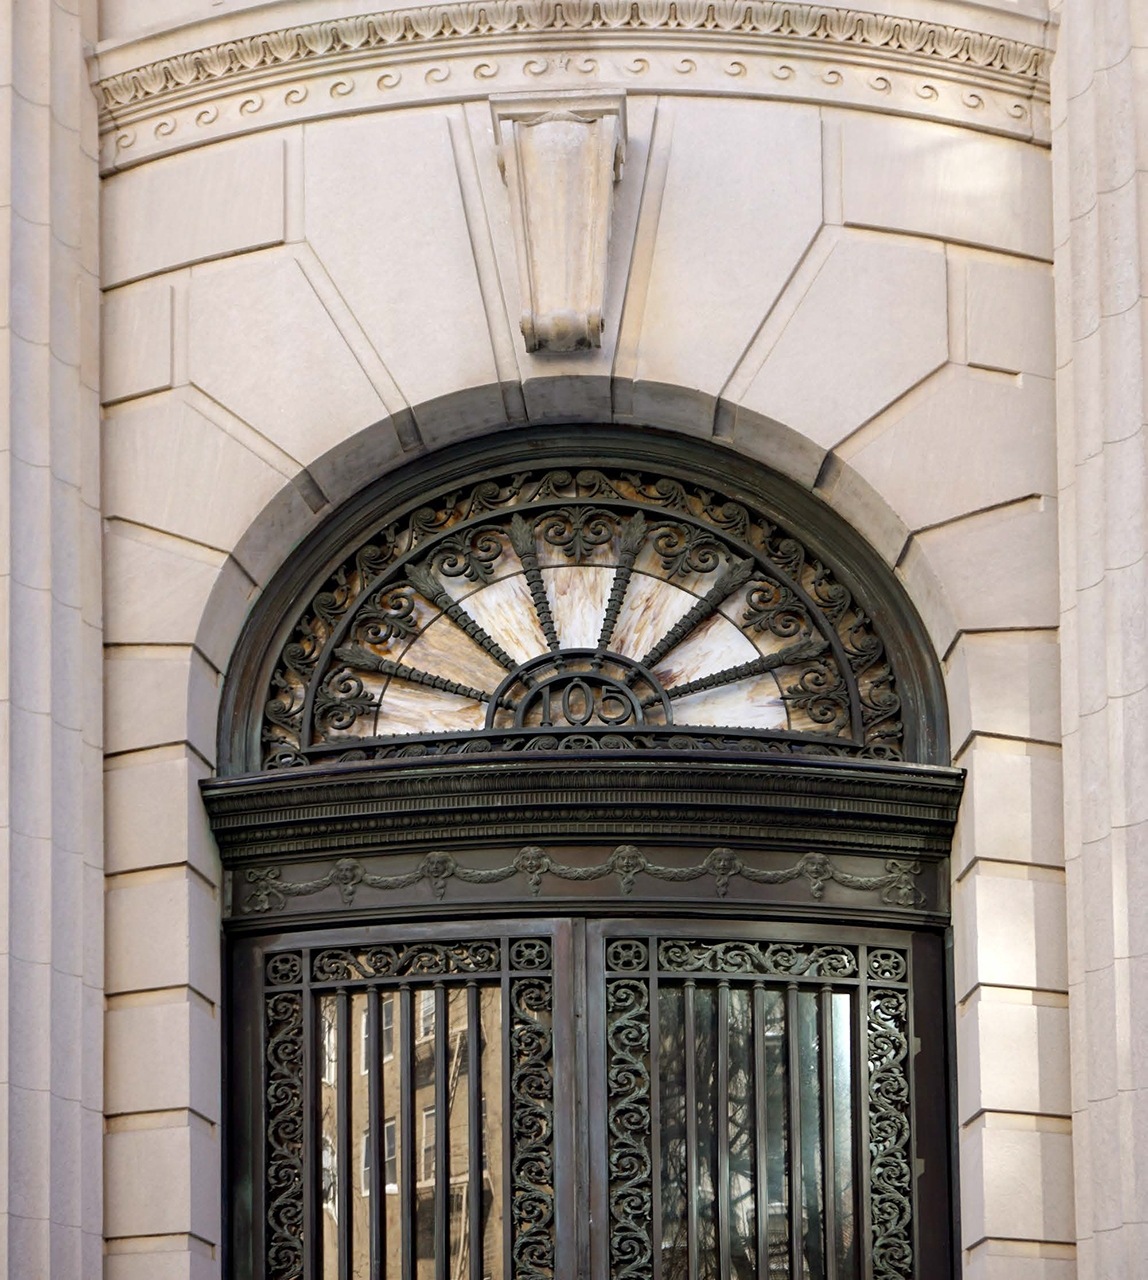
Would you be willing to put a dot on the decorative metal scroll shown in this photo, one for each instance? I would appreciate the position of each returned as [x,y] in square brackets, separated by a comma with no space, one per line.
[532,1124]
[895,886]
[589,611]
[872,982]
[295,981]
[890,1174]
[629,1124]
[283,1100]
[390,961]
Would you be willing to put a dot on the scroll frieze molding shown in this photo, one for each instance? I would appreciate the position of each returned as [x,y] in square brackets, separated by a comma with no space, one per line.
[560,156]
[895,886]
[466,49]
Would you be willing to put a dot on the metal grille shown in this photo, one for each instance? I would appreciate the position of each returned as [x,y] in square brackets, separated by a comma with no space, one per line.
[732,1107]
[744,1081]
[406,1086]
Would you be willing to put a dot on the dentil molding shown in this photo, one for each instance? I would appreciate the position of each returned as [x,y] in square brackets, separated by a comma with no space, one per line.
[772,49]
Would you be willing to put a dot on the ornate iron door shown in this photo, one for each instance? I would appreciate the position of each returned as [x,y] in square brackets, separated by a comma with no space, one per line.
[622,1099]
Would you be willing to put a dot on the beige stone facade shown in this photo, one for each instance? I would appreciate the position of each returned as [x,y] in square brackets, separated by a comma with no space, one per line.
[897,257]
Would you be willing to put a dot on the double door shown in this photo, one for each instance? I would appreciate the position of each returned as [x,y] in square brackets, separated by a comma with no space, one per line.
[553,1099]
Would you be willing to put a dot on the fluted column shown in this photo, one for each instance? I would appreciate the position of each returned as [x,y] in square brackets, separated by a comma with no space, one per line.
[50,716]
[1101,113]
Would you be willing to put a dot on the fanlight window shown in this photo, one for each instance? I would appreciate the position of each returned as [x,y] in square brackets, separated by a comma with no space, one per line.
[581,610]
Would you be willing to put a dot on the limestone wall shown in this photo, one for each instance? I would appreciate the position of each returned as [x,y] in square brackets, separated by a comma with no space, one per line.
[51,902]
[1100,132]
[831,251]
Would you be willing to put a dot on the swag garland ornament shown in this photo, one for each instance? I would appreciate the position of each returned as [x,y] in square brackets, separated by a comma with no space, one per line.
[896,885]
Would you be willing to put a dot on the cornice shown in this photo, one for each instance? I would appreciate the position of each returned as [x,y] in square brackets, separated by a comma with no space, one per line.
[901,810]
[454,51]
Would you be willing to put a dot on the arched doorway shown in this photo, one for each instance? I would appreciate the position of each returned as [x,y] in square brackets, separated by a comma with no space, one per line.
[585,817]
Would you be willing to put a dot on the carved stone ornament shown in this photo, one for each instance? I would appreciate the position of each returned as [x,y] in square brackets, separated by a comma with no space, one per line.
[560,155]
[232,77]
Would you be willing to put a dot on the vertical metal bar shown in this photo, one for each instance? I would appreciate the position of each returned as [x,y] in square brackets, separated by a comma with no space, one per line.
[724,1225]
[656,1107]
[596,1143]
[761,1133]
[793,1091]
[378,1190]
[407,1199]
[568,979]
[441,1136]
[312,1138]
[508,1265]
[861,1112]
[345,1149]
[828,1162]
[474,1128]
[692,1211]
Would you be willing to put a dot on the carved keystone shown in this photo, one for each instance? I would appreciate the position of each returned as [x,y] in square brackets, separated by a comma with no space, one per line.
[560,155]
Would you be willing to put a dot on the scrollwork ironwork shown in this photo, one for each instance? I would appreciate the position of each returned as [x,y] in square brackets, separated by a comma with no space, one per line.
[283,1103]
[532,1128]
[890,1172]
[416,958]
[776,959]
[341,676]
[628,1128]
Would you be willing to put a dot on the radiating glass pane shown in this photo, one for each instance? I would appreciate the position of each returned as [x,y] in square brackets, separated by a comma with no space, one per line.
[329,1132]
[672,1084]
[843,1190]
[809,1115]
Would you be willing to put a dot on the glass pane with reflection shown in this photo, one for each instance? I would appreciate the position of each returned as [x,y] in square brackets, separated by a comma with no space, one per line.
[808,1083]
[844,1156]
[329,1153]
[493,1128]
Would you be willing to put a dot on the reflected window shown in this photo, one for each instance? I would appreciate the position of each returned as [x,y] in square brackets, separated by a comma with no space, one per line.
[426,1163]
[426,1014]
[329,1047]
[330,1188]
[391,1157]
[387,1027]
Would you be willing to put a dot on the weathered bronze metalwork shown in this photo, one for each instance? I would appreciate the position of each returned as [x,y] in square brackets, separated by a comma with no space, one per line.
[512,681]
[749,1088]
[339,686]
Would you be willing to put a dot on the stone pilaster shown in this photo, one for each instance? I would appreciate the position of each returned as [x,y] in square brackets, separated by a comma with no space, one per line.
[1100,117]
[50,715]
